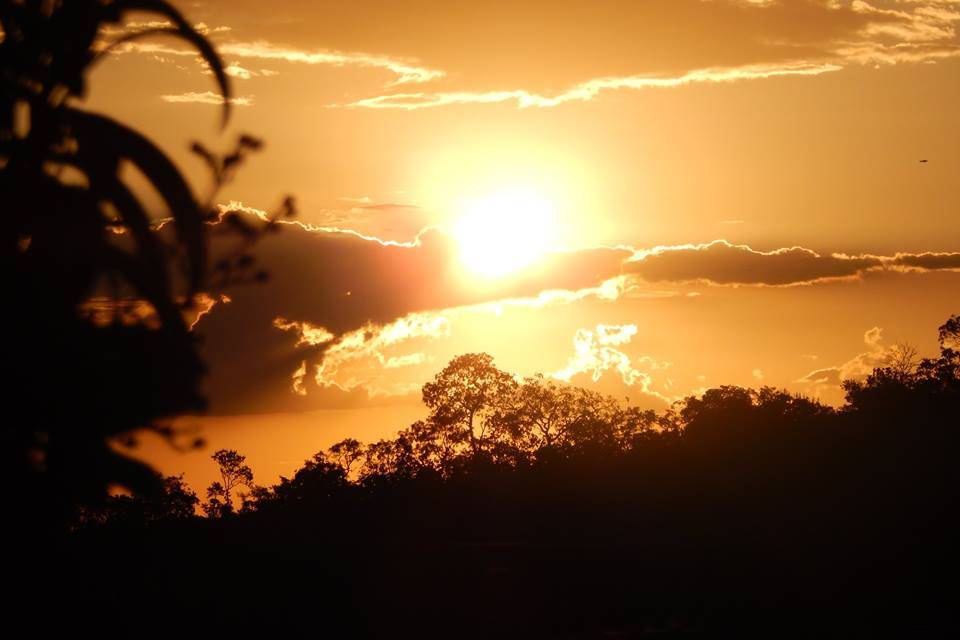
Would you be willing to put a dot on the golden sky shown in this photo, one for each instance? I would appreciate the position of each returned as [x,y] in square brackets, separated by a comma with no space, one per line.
[648,198]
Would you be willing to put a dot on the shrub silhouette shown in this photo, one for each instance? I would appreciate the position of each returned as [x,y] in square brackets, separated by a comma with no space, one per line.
[96,337]
[175,502]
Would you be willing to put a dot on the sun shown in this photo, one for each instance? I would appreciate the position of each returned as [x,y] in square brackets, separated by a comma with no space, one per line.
[504,232]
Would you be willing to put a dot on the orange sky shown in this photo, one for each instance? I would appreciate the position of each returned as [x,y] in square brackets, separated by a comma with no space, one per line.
[647,132]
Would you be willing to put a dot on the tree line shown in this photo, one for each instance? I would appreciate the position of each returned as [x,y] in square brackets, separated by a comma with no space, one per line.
[527,508]
[482,418]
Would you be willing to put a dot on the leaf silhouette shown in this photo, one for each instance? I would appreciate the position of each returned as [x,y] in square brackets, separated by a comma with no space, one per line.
[185,30]
[90,129]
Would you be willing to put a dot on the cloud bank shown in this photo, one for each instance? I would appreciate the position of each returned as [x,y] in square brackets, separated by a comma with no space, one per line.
[341,307]
[722,263]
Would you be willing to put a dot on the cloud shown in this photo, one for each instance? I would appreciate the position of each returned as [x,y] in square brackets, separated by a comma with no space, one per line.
[407,72]
[407,360]
[927,23]
[722,263]
[708,42]
[589,90]
[596,353]
[536,54]
[358,359]
[928,261]
[296,383]
[904,31]
[829,379]
[340,307]
[383,220]
[345,314]
[235,70]
[387,206]
[342,357]
[137,26]
[309,334]
[206,97]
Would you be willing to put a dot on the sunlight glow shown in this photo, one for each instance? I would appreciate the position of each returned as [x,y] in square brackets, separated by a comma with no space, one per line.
[504,232]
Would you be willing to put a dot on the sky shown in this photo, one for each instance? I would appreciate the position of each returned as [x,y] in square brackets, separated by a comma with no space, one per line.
[645,198]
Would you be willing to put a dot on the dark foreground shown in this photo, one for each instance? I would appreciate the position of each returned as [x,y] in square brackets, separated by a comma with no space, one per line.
[574,517]
[509,555]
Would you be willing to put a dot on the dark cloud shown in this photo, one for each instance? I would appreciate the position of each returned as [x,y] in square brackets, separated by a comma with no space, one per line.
[386,221]
[721,262]
[928,261]
[344,282]
[347,287]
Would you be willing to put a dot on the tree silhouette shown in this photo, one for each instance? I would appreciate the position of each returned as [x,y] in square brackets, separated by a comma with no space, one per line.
[949,333]
[179,501]
[463,395]
[233,473]
[434,445]
[175,502]
[536,413]
[386,461]
[345,453]
[318,479]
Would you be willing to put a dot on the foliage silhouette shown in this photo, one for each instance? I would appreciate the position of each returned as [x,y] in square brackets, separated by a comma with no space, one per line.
[737,509]
[233,473]
[175,502]
[346,453]
[463,396]
[99,340]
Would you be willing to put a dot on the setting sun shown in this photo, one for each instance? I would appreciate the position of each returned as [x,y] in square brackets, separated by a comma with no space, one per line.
[503,232]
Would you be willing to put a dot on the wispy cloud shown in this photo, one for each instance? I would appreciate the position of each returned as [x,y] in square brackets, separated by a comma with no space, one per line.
[406,71]
[206,97]
[890,32]
[358,358]
[138,26]
[234,70]
[309,334]
[905,31]
[879,32]
[591,89]
[596,352]
[830,379]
